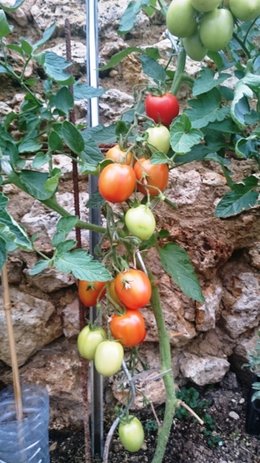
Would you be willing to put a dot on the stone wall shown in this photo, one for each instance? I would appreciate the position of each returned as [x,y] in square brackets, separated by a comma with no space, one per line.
[225,253]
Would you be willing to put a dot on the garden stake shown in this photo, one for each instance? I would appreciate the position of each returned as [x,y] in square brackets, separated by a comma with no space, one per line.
[96,383]
[75,178]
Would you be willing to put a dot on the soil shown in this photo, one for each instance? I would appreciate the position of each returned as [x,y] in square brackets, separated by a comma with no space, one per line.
[222,439]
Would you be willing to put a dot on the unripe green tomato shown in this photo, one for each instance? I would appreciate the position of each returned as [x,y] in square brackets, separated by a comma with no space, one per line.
[205,5]
[131,434]
[216,29]
[140,221]
[109,357]
[194,48]
[181,18]
[88,340]
[245,9]
[159,138]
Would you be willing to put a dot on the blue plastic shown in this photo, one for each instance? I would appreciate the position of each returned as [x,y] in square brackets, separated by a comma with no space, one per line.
[26,441]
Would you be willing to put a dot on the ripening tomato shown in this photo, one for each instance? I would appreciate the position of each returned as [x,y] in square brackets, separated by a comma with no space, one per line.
[245,9]
[131,434]
[158,138]
[140,221]
[128,328]
[205,5]
[109,357]
[194,48]
[116,182]
[90,292]
[155,176]
[116,154]
[216,29]
[133,288]
[88,340]
[181,18]
[162,108]
[112,292]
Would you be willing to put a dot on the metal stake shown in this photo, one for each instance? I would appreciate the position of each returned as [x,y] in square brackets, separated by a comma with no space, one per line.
[96,381]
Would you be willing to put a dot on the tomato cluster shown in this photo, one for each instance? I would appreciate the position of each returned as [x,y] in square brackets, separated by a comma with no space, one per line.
[205,25]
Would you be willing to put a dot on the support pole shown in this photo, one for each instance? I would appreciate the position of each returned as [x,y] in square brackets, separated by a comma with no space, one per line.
[96,381]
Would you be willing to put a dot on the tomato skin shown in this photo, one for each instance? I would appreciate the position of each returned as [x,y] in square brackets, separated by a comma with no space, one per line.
[116,182]
[216,29]
[205,5]
[161,108]
[181,18]
[154,175]
[194,48]
[133,288]
[88,340]
[128,328]
[140,221]
[112,292]
[116,154]
[90,292]
[131,434]
[109,357]
[158,138]
[245,9]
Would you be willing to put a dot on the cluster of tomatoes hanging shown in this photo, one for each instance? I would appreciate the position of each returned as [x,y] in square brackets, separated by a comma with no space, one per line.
[207,25]
[130,290]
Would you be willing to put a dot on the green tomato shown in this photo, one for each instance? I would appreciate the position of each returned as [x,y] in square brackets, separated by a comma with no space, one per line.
[216,29]
[88,340]
[131,434]
[181,18]
[205,5]
[194,48]
[109,357]
[245,9]
[140,221]
[159,138]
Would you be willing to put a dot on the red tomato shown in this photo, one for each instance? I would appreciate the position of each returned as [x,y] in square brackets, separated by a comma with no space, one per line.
[90,292]
[117,182]
[128,328]
[116,154]
[133,288]
[152,175]
[162,108]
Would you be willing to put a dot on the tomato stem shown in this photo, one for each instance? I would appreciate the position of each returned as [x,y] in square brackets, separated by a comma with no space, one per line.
[180,66]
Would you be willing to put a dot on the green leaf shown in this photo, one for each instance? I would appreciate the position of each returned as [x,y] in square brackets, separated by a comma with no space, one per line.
[129,16]
[18,235]
[66,246]
[64,226]
[95,201]
[242,198]
[63,100]
[159,158]
[153,69]
[206,81]
[72,137]
[4,25]
[54,141]
[29,145]
[82,266]
[26,47]
[177,264]
[38,184]
[101,134]
[3,253]
[83,91]
[240,107]
[183,136]
[39,267]
[55,67]
[46,36]
[40,159]
[91,156]
[10,9]
[206,108]
[247,147]
[118,57]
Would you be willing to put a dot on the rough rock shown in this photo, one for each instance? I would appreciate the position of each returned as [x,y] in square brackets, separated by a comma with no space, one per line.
[206,370]
[50,280]
[36,324]
[206,313]
[70,318]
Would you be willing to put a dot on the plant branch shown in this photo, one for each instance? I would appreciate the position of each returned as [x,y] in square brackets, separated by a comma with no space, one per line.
[248,30]
[242,45]
[184,405]
[180,67]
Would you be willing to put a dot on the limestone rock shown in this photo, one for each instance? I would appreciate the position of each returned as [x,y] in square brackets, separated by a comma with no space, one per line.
[50,280]
[201,371]
[36,324]
[206,313]
[70,318]
[254,255]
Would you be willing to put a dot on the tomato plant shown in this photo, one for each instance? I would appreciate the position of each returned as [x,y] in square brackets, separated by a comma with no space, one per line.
[88,340]
[133,288]
[131,434]
[109,357]
[162,108]
[128,328]
[151,177]
[117,182]
[245,9]
[140,221]
[90,292]
[180,18]
[216,29]
[119,155]
[158,138]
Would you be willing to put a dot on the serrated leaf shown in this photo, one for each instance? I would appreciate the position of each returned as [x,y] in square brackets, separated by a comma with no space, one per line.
[38,184]
[55,67]
[3,253]
[159,158]
[129,16]
[46,36]
[66,246]
[18,236]
[206,81]
[39,267]
[240,106]
[72,137]
[101,134]
[82,266]
[63,100]
[4,25]
[64,226]
[182,136]
[246,148]
[177,264]
[91,155]
[153,69]
[83,91]
[242,198]
[206,108]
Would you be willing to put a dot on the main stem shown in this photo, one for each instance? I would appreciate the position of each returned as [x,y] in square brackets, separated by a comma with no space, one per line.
[166,364]
[180,67]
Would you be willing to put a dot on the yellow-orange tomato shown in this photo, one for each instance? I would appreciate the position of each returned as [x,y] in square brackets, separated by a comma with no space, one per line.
[116,182]
[116,154]
[152,175]
[90,292]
